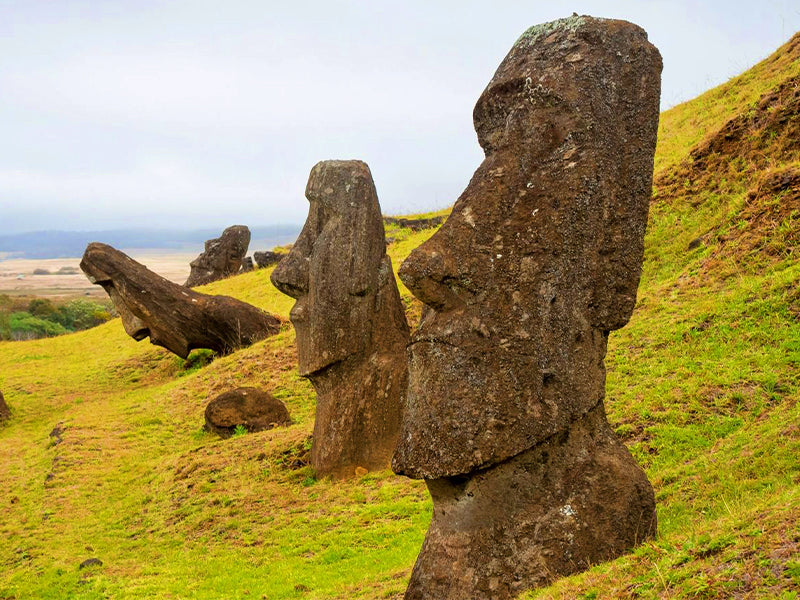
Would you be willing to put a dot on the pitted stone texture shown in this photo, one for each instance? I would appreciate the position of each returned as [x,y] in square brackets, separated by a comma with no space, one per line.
[570,502]
[172,316]
[542,253]
[249,407]
[222,257]
[538,262]
[267,258]
[350,324]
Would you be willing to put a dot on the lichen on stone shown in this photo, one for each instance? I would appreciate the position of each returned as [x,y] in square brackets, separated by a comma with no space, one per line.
[533,34]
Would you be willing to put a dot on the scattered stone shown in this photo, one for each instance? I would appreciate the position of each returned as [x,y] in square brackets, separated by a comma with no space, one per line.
[174,317]
[5,412]
[55,434]
[247,265]
[267,258]
[251,408]
[538,261]
[91,562]
[349,319]
[222,256]
[414,224]
[695,243]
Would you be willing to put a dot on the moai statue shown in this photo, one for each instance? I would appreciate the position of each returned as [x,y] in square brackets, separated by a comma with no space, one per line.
[172,316]
[349,319]
[538,262]
[222,257]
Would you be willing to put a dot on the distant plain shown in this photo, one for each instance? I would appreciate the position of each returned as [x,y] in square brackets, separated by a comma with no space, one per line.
[172,265]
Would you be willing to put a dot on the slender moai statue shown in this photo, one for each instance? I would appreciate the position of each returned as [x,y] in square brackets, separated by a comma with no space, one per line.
[538,262]
[349,319]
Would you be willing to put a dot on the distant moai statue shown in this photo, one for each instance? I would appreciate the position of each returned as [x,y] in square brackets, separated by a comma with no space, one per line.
[349,319]
[222,257]
[538,262]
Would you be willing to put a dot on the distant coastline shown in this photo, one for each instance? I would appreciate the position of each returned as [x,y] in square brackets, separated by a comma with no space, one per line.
[70,244]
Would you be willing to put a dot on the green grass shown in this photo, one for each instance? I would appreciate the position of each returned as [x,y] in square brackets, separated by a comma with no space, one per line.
[703,386]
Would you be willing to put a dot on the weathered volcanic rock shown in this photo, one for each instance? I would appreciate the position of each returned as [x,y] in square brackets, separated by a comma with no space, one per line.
[254,409]
[414,224]
[267,258]
[247,265]
[350,325]
[174,317]
[5,412]
[538,262]
[222,256]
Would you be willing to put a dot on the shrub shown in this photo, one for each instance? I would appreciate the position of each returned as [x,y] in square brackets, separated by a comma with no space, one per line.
[25,326]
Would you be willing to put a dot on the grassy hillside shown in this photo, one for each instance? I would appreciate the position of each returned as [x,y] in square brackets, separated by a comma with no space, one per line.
[105,457]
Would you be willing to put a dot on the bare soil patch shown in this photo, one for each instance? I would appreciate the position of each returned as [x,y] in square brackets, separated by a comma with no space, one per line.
[65,279]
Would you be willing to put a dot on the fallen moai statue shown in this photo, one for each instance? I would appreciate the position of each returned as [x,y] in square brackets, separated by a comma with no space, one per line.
[248,407]
[222,257]
[174,317]
[538,262]
[349,319]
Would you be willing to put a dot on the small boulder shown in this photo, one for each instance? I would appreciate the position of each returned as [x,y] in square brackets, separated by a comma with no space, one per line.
[91,562]
[695,243]
[247,265]
[253,409]
[5,413]
[267,258]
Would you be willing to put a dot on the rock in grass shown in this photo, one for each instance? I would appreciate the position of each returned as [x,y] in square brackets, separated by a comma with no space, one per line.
[5,412]
[248,407]
[349,319]
[539,260]
[221,258]
[247,265]
[172,316]
[267,258]
[91,562]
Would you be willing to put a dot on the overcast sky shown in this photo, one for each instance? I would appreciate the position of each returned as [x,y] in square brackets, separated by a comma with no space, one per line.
[205,114]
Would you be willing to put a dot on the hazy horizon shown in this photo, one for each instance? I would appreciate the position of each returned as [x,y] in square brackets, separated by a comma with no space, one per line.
[197,115]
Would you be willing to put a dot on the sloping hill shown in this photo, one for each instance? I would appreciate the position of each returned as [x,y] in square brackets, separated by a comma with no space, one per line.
[105,457]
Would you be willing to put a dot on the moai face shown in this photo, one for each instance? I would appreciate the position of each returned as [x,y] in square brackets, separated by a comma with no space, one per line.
[539,259]
[332,270]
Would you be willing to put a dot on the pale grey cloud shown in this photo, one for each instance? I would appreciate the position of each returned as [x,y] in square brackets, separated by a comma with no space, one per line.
[206,113]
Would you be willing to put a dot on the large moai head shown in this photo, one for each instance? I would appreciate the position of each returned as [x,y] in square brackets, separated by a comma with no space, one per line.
[542,253]
[337,267]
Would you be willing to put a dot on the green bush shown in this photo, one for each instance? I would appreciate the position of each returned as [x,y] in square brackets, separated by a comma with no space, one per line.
[25,326]
[81,314]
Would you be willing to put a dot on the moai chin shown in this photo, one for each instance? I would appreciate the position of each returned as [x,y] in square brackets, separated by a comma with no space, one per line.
[538,262]
[349,320]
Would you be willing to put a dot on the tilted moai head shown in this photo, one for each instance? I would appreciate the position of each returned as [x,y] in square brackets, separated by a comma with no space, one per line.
[542,253]
[336,267]
[172,316]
